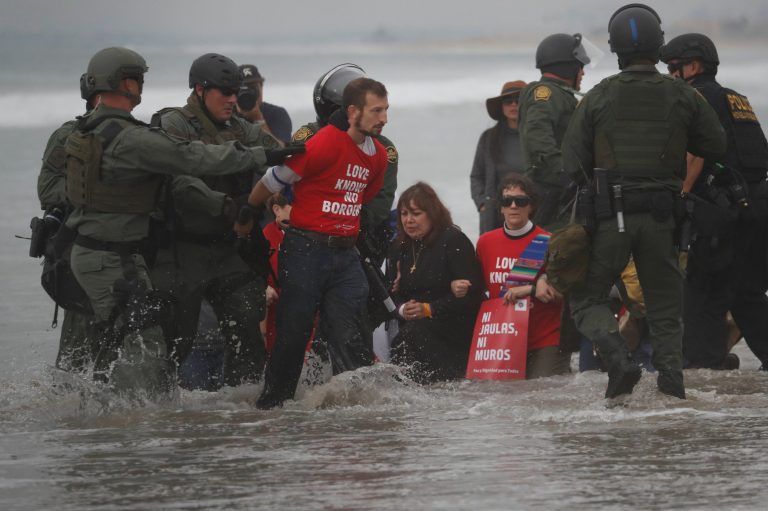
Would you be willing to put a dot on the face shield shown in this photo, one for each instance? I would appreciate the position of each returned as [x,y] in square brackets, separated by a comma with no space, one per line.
[587,52]
[331,87]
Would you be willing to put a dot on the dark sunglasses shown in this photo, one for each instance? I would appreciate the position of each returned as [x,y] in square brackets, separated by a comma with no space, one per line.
[520,200]
[139,79]
[227,92]
[509,101]
[674,67]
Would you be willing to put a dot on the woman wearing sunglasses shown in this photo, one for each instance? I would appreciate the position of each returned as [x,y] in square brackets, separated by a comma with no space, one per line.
[508,258]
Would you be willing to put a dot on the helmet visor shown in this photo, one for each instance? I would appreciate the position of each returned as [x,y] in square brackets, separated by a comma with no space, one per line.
[588,53]
[333,84]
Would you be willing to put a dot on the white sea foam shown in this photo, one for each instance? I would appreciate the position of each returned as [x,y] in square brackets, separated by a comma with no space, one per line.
[40,109]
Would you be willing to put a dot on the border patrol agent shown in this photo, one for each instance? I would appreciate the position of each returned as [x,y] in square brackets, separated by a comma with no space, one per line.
[637,125]
[202,260]
[726,271]
[114,174]
[77,343]
[545,110]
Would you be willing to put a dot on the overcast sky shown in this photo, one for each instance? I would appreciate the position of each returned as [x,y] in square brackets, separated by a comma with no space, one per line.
[186,21]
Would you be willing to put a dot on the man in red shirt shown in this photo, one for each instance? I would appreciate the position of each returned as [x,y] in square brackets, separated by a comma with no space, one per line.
[319,268]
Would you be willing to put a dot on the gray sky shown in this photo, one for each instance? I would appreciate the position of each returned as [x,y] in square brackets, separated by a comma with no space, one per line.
[187,21]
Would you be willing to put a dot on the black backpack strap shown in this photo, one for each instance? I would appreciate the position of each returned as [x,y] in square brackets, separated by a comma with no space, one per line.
[109,133]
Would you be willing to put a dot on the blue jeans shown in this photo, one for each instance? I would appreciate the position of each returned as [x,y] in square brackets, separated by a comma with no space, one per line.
[315,277]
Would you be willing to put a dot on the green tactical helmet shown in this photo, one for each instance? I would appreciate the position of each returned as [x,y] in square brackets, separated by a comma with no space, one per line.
[329,89]
[109,67]
[635,30]
[561,48]
[214,70]
[690,46]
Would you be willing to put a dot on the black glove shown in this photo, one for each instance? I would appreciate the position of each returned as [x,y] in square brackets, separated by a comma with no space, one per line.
[339,120]
[245,215]
[278,156]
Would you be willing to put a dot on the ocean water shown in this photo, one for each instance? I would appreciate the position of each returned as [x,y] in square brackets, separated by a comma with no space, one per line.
[369,439]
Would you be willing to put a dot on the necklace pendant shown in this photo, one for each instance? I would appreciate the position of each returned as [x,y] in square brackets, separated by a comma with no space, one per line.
[413,267]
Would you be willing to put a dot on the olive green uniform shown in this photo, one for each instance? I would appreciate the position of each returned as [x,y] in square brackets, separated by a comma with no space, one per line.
[51,189]
[77,344]
[135,157]
[204,261]
[639,125]
[545,110]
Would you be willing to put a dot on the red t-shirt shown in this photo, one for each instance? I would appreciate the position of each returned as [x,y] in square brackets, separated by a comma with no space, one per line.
[274,236]
[498,253]
[337,178]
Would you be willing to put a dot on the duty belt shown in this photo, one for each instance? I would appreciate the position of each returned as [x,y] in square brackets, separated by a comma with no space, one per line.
[121,247]
[328,240]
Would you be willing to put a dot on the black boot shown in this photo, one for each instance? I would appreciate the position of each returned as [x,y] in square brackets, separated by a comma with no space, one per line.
[269,399]
[730,362]
[623,373]
[671,383]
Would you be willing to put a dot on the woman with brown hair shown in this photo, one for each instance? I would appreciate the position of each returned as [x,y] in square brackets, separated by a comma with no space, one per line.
[511,258]
[429,253]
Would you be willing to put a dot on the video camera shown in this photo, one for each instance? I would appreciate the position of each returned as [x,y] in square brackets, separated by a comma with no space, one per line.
[248,96]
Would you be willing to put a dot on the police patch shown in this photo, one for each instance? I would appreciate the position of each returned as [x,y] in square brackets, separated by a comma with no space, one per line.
[740,108]
[302,134]
[542,93]
[391,154]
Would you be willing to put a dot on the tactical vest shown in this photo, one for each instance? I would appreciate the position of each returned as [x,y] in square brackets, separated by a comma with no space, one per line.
[85,186]
[747,146]
[641,139]
[206,132]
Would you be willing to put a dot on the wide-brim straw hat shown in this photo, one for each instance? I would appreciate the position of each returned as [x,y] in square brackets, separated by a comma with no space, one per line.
[510,89]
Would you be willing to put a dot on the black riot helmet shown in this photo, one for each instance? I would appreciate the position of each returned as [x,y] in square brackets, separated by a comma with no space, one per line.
[635,32]
[330,87]
[560,49]
[691,46]
[214,70]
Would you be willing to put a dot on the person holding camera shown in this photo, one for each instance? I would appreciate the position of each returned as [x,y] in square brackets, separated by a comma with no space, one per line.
[251,106]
